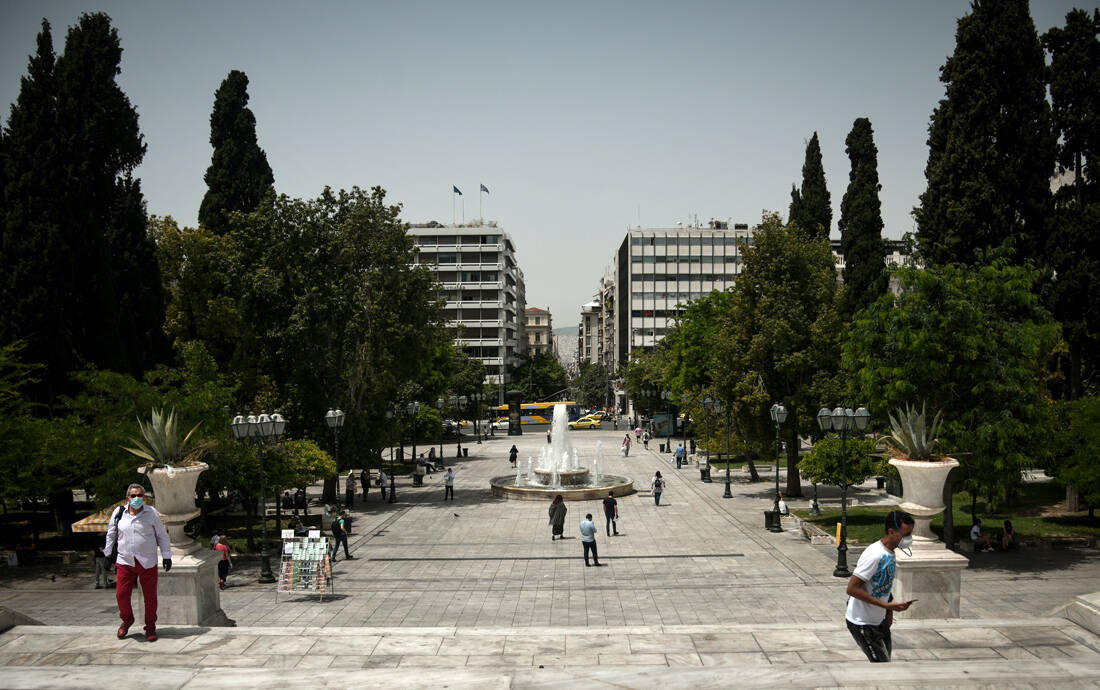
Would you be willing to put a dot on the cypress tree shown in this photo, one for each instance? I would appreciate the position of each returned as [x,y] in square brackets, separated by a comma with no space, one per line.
[861,221]
[1073,248]
[239,176]
[811,206]
[990,142]
[81,275]
[33,248]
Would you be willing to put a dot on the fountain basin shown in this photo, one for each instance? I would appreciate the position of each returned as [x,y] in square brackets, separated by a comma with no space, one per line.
[577,478]
[505,487]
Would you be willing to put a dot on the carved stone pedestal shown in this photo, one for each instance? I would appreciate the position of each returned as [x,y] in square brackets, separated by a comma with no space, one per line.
[933,576]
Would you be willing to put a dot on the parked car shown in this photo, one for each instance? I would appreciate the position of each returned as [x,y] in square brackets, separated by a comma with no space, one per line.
[500,423]
[588,422]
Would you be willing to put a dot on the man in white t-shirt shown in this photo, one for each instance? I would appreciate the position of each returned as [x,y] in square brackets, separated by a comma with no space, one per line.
[981,541]
[870,609]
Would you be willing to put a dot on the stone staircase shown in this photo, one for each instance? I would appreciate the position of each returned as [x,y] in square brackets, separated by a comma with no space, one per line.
[1040,652]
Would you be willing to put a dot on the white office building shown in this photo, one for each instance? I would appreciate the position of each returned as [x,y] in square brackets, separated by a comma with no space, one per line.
[658,270]
[483,285]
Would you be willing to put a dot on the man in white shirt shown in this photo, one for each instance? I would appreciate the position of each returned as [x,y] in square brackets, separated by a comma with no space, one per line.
[134,533]
[870,610]
[981,541]
[449,485]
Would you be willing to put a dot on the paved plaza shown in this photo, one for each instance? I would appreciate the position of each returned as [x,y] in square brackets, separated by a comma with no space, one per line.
[693,585]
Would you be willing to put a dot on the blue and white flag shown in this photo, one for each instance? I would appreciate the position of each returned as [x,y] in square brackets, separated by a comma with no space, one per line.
[484,189]
[457,191]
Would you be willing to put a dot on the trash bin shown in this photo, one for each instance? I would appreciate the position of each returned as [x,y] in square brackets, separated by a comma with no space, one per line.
[418,480]
[769,519]
[663,448]
[881,482]
[465,452]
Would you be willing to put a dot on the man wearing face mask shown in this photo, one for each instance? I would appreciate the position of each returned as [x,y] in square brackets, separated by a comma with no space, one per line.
[870,607]
[134,533]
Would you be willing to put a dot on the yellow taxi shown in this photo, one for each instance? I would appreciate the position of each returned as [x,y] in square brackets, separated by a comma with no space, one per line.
[586,422]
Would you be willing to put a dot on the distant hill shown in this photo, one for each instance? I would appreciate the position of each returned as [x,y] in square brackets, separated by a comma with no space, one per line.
[566,330]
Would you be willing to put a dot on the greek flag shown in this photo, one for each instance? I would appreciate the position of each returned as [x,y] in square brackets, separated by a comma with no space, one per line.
[484,189]
[457,190]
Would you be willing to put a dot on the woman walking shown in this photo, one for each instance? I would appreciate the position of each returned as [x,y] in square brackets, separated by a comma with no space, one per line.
[657,486]
[220,544]
[557,518]
[513,455]
[626,446]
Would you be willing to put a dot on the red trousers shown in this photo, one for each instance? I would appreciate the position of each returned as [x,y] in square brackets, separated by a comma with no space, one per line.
[125,579]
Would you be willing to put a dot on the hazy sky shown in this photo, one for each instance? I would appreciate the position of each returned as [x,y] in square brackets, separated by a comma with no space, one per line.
[582,118]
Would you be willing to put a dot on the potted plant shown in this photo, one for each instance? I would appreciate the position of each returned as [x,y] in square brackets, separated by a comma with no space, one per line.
[911,446]
[173,467]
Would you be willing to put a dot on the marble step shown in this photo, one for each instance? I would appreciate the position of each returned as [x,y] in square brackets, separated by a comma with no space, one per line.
[1008,653]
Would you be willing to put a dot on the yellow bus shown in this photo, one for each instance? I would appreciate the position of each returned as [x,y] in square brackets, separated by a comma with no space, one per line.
[539,412]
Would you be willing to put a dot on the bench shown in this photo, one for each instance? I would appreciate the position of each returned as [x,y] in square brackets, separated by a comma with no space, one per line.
[815,535]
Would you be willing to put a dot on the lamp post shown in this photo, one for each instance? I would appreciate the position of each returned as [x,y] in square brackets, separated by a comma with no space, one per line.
[413,409]
[260,430]
[476,399]
[390,414]
[440,402]
[458,402]
[729,448]
[667,398]
[335,421]
[778,415]
[843,420]
[708,408]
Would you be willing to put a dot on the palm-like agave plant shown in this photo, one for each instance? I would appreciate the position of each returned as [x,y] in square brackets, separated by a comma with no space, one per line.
[160,444]
[910,435]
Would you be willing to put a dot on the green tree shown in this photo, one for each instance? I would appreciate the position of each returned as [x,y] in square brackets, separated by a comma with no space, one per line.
[81,278]
[811,206]
[1076,445]
[824,462]
[782,335]
[1073,248]
[861,221]
[539,375]
[239,176]
[592,387]
[990,143]
[972,344]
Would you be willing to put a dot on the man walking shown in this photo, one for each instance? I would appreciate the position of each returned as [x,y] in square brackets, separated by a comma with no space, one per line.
[364,481]
[449,485]
[611,512]
[871,610]
[349,490]
[134,534]
[588,540]
[679,455]
[340,536]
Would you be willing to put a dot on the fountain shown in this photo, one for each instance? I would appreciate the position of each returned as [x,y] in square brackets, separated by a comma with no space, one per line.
[559,471]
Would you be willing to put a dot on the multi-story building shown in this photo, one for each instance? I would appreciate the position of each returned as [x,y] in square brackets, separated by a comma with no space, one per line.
[588,334]
[540,332]
[658,270]
[484,290]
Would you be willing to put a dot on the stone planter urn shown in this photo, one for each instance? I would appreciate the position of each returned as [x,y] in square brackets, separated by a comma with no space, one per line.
[932,574]
[174,489]
[188,594]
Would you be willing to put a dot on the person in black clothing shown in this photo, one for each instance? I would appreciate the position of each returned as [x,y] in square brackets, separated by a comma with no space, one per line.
[288,502]
[611,512]
[340,536]
[300,502]
[513,455]
[364,479]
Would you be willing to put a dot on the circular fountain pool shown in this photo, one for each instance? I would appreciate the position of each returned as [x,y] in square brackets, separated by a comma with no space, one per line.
[559,472]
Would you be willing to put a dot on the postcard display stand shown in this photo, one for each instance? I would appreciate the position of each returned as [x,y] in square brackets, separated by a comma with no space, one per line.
[305,564]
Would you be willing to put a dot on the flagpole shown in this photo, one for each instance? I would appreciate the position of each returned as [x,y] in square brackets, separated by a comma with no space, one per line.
[463,210]
[479,214]
[452,208]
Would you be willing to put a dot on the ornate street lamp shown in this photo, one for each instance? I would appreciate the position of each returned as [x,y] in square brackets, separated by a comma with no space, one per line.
[260,431]
[413,409]
[843,420]
[440,402]
[778,415]
[390,414]
[708,408]
[477,399]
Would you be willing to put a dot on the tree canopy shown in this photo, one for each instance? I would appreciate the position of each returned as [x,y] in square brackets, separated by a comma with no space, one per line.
[239,176]
[990,143]
[811,206]
[861,222]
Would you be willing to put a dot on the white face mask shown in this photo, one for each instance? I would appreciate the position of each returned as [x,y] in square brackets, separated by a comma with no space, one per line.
[905,543]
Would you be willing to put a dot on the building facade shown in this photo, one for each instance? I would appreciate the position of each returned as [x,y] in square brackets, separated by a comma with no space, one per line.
[659,270]
[484,290]
[540,332]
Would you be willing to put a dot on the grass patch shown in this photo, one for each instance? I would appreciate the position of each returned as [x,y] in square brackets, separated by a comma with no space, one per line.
[1038,514]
